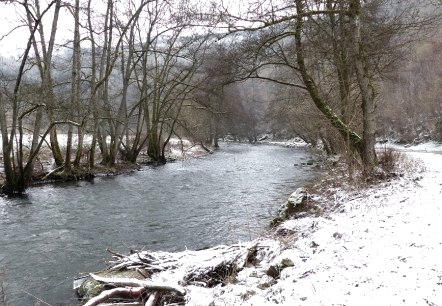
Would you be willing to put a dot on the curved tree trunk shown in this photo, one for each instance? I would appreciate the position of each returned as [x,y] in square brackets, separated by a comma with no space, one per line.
[353,140]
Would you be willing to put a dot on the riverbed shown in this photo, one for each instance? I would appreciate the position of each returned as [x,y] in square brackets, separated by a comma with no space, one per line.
[58,231]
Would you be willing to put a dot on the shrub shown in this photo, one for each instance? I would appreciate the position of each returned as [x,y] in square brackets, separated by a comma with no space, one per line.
[389,159]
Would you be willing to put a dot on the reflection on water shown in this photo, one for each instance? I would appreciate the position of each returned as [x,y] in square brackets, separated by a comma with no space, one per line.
[57,231]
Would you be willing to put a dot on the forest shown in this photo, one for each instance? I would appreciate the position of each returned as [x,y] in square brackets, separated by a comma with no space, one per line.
[104,82]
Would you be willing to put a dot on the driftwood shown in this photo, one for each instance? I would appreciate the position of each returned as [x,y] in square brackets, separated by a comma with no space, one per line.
[206,268]
[116,292]
[153,298]
[133,282]
[132,288]
[52,172]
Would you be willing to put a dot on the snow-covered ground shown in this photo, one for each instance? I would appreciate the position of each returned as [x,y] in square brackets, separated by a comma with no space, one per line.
[378,245]
[291,143]
[184,149]
[176,148]
[382,246]
[429,146]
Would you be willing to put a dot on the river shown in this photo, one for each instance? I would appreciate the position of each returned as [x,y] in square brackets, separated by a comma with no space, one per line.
[60,230]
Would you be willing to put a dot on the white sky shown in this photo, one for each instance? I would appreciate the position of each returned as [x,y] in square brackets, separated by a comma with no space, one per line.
[14,43]
[11,16]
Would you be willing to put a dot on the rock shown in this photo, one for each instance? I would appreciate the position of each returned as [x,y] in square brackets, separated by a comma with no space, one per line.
[90,288]
[284,212]
[275,270]
[295,200]
[337,235]
[267,285]
[285,263]
[313,244]
[298,197]
[275,221]
[284,232]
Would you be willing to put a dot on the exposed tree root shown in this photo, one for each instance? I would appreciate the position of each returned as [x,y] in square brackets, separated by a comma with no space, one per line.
[206,268]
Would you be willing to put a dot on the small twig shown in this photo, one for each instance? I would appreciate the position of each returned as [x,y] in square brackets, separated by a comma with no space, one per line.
[115,253]
[38,299]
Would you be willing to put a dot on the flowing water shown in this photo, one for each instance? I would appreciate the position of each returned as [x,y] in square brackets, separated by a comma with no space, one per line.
[58,231]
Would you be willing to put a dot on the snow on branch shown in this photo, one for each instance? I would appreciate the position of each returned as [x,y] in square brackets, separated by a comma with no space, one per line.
[205,268]
[133,282]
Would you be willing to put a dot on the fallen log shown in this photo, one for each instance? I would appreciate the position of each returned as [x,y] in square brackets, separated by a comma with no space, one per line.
[205,268]
[52,172]
[132,282]
[116,292]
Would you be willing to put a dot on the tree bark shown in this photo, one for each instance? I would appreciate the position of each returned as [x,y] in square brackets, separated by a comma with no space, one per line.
[368,95]
[353,140]
[116,292]
[75,89]
[15,170]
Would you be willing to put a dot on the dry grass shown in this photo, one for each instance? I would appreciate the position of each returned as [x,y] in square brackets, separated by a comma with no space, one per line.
[389,159]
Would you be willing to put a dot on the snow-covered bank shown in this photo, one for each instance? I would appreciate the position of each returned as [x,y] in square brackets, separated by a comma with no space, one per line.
[379,245]
[290,143]
[382,247]
[429,146]
[184,149]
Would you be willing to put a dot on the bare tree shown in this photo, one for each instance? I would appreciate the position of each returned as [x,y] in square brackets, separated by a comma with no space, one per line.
[75,91]
[336,50]
[18,170]
[43,56]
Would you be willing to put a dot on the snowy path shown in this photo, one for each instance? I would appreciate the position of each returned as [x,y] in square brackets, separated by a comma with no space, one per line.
[384,248]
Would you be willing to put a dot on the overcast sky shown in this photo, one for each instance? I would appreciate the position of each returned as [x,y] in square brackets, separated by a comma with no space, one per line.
[14,43]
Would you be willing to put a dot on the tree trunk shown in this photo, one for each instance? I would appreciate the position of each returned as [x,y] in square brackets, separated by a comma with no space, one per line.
[154,148]
[45,69]
[67,163]
[34,146]
[75,88]
[15,173]
[367,91]
[11,183]
[80,144]
[354,141]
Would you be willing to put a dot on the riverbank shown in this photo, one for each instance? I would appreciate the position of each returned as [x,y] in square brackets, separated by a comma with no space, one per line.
[376,244]
[45,171]
[190,204]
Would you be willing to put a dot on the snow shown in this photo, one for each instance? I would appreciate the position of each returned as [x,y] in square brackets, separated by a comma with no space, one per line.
[375,245]
[430,146]
[184,149]
[291,143]
[381,245]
